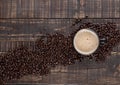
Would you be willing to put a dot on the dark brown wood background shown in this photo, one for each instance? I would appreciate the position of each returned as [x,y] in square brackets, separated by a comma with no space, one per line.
[23,21]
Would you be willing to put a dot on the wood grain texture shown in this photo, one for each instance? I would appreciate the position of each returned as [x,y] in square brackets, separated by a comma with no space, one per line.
[15,32]
[59,8]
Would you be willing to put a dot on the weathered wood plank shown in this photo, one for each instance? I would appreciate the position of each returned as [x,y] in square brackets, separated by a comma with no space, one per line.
[59,8]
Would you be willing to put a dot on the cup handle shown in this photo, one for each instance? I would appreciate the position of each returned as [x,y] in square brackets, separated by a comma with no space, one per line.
[103,41]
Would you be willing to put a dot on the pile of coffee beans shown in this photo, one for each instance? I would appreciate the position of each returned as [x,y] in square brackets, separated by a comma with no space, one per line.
[53,50]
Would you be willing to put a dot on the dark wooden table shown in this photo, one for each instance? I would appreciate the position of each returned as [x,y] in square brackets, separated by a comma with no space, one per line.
[23,21]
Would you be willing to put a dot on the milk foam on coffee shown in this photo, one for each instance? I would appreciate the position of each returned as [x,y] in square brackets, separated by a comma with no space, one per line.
[86,41]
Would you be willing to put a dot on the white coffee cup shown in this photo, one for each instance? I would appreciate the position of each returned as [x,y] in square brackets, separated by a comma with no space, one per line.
[86,41]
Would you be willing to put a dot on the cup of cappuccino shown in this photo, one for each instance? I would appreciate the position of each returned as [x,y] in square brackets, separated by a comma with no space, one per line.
[86,41]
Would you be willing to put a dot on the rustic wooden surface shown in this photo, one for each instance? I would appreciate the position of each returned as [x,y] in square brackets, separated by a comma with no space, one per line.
[59,8]
[23,21]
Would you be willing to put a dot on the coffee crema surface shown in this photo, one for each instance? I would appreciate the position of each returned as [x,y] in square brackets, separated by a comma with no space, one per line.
[86,41]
